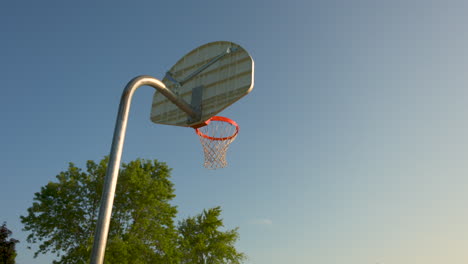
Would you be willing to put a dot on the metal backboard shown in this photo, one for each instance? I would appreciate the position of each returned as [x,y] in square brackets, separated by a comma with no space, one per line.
[209,78]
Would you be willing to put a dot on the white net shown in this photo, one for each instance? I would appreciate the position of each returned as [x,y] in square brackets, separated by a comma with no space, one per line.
[215,139]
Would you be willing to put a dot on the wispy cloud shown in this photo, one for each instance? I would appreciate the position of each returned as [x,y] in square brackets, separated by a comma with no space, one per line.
[262,221]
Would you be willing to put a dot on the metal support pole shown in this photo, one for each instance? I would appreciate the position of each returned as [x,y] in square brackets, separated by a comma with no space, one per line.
[110,182]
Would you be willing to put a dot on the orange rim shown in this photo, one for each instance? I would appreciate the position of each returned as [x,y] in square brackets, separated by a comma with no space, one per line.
[222,119]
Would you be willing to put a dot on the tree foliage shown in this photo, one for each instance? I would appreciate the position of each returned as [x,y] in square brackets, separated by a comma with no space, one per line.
[63,217]
[7,246]
[201,241]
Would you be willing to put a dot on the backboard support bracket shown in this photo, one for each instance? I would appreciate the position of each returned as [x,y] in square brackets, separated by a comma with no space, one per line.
[196,103]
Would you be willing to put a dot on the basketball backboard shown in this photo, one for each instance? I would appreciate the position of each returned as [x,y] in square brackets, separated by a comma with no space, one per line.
[209,78]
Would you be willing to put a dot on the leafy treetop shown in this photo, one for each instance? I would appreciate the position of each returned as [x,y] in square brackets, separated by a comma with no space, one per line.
[64,213]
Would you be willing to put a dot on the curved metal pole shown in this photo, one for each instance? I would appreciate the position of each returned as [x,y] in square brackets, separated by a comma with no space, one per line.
[110,182]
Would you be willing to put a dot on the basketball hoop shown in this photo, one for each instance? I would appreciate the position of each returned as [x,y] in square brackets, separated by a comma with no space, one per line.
[215,138]
[201,84]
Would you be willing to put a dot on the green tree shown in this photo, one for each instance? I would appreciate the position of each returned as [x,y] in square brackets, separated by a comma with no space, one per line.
[7,246]
[64,213]
[63,216]
[201,241]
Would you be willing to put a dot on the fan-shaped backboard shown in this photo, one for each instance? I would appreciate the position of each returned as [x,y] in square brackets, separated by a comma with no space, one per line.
[210,78]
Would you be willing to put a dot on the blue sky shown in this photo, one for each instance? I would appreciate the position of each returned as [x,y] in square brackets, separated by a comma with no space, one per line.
[352,145]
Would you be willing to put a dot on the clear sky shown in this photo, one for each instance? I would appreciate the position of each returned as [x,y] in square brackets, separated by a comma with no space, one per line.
[352,146]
